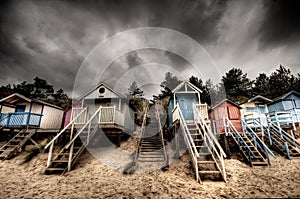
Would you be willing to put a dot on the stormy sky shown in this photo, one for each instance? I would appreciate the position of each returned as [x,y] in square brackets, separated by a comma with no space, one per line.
[51,39]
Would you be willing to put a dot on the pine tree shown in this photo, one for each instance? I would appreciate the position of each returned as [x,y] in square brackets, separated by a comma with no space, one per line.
[262,85]
[134,90]
[168,84]
[237,85]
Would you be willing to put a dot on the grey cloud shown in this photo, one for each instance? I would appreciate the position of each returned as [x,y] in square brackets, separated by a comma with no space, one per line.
[281,23]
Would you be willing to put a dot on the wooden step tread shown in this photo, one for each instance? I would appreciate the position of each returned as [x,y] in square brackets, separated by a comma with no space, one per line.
[209,172]
[55,169]
[206,162]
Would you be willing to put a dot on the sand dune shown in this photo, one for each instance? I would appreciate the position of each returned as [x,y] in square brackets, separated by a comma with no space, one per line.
[92,179]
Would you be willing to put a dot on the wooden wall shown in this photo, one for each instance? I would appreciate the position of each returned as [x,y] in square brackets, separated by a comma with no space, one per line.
[52,118]
[226,110]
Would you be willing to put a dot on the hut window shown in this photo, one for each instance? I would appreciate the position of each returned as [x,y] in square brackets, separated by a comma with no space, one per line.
[250,109]
[101,90]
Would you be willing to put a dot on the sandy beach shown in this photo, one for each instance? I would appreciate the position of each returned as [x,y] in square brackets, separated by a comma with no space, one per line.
[93,179]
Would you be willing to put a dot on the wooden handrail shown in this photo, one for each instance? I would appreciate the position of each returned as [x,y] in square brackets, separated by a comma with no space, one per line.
[237,133]
[161,133]
[64,129]
[286,134]
[182,120]
[256,137]
[141,134]
[83,127]
[210,133]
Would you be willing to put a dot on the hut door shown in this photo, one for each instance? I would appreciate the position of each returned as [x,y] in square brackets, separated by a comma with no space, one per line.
[186,106]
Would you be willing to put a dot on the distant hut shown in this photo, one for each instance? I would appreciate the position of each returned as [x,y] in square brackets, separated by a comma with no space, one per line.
[256,108]
[220,111]
[285,109]
[20,111]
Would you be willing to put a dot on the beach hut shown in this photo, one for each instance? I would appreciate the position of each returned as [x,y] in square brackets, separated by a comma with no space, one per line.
[104,112]
[255,108]
[186,95]
[229,109]
[20,111]
[284,105]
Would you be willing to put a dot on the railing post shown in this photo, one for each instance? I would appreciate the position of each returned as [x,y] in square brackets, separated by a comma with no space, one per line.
[287,150]
[100,112]
[8,119]
[88,135]
[50,154]
[70,157]
[114,114]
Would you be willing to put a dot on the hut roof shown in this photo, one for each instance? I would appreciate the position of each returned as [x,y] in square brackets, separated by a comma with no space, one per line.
[282,97]
[261,98]
[16,97]
[226,100]
[98,86]
[189,84]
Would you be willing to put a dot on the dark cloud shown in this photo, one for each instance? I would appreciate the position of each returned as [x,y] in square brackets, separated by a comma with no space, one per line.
[281,23]
[133,59]
[50,39]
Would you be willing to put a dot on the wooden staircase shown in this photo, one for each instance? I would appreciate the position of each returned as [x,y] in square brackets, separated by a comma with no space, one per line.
[60,164]
[80,137]
[249,151]
[207,163]
[16,143]
[283,146]
[151,153]
[246,141]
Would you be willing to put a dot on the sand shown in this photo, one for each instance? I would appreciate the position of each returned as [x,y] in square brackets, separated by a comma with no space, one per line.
[93,179]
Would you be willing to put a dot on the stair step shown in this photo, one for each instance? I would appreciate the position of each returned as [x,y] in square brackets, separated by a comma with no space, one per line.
[55,169]
[151,160]
[209,172]
[206,162]
[260,163]
[152,157]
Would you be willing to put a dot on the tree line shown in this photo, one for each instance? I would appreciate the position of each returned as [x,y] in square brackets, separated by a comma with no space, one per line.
[38,89]
[235,84]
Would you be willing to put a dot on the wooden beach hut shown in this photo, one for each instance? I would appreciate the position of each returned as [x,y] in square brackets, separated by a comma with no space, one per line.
[102,110]
[25,117]
[285,105]
[255,109]
[229,109]
[20,111]
[186,95]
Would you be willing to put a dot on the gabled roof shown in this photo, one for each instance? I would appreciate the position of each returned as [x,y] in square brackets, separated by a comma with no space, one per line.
[282,97]
[188,83]
[98,86]
[226,100]
[16,97]
[259,97]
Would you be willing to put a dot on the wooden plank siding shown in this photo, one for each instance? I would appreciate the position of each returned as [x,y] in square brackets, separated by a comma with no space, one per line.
[52,118]
[224,110]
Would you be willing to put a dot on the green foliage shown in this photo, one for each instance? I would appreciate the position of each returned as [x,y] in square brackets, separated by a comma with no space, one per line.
[138,105]
[237,86]
[39,89]
[168,84]
[134,90]
[205,88]
[282,81]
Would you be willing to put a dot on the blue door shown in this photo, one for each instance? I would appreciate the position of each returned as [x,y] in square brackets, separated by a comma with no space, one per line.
[186,106]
